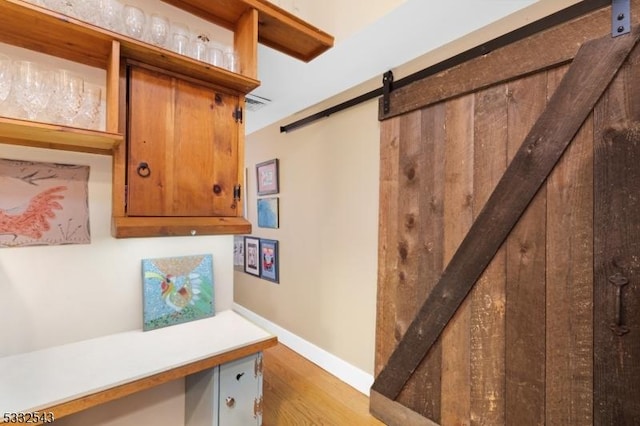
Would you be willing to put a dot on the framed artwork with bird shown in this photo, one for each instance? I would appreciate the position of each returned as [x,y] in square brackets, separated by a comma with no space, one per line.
[177,290]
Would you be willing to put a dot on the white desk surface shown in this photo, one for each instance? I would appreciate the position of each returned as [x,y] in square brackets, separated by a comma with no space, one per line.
[36,380]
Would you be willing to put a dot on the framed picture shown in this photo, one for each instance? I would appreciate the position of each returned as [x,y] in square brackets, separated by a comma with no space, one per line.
[269,260]
[238,253]
[267,175]
[252,256]
[268,213]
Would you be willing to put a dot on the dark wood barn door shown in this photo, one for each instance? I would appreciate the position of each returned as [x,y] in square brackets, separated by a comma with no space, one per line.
[509,252]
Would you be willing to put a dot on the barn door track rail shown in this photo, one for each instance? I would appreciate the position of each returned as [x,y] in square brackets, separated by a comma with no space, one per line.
[562,16]
[594,67]
[620,17]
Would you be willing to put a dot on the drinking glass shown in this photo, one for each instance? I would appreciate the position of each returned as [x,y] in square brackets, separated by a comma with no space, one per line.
[231,59]
[111,14]
[200,46]
[133,19]
[158,29]
[32,88]
[65,97]
[180,38]
[58,6]
[88,11]
[5,77]
[215,56]
[88,116]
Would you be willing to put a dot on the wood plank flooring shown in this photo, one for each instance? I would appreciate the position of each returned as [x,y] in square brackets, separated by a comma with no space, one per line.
[298,392]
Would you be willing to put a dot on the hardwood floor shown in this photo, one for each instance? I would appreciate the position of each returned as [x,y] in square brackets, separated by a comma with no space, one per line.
[298,392]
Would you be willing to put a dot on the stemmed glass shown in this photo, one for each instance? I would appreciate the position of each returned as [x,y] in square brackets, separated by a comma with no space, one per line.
[5,77]
[58,6]
[159,29]
[111,14]
[133,19]
[88,116]
[32,88]
[88,11]
[66,96]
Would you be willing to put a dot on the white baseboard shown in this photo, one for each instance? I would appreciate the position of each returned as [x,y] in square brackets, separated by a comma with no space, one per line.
[344,371]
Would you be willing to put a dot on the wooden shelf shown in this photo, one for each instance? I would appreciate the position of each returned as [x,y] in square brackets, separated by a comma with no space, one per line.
[70,378]
[277,28]
[135,226]
[169,61]
[35,28]
[91,45]
[21,132]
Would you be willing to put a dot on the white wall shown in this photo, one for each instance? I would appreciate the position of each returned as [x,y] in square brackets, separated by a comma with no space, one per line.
[328,233]
[51,295]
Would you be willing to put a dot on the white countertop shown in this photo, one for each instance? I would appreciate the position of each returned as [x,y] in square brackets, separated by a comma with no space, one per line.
[36,380]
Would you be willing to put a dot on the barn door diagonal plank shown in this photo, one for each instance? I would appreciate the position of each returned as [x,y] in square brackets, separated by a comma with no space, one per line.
[592,70]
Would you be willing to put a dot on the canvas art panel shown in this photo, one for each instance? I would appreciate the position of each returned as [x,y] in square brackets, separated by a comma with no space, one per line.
[267,176]
[252,256]
[177,290]
[43,203]
[268,213]
[269,260]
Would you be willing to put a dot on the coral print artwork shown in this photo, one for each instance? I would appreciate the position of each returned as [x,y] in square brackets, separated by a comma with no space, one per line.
[43,204]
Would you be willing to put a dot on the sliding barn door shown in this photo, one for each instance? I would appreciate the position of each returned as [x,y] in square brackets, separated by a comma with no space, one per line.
[509,252]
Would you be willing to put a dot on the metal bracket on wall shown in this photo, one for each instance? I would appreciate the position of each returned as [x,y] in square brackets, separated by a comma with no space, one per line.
[620,17]
[387,87]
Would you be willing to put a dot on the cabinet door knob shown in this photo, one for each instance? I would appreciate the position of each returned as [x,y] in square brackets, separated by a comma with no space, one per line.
[230,401]
[143,170]
[217,189]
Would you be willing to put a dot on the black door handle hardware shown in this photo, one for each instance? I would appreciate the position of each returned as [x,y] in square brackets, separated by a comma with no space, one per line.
[143,170]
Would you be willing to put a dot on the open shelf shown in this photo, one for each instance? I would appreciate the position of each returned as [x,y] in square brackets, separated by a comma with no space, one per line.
[277,28]
[21,132]
[35,28]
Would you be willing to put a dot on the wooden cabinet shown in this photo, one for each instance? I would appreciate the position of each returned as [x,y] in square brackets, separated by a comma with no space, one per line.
[197,188]
[182,147]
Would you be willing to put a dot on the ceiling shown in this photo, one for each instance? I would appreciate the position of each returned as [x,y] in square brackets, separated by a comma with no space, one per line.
[410,30]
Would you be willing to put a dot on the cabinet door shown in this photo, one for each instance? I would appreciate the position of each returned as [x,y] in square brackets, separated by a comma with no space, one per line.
[241,392]
[183,147]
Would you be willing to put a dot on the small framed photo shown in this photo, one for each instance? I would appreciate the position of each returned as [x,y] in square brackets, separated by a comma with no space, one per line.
[267,175]
[268,216]
[252,256]
[238,253]
[269,260]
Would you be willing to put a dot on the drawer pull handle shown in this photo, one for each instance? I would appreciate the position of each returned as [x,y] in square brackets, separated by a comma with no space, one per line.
[217,189]
[143,170]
